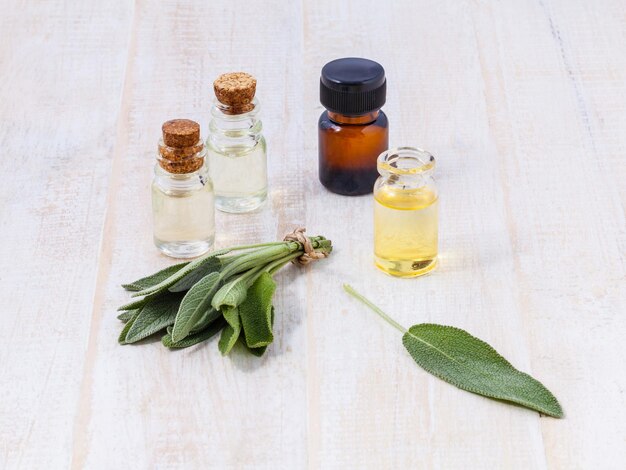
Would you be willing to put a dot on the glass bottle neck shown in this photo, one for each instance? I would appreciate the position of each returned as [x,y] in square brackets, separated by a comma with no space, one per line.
[234,130]
[360,119]
[406,166]
[181,168]
[181,181]
[222,116]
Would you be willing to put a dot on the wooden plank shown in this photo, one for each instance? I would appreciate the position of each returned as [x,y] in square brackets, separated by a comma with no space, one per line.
[507,177]
[62,68]
[555,113]
[194,408]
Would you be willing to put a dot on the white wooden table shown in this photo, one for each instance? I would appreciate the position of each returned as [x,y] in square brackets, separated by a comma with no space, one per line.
[522,102]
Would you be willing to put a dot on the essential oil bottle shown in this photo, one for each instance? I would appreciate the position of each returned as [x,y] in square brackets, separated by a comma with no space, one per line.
[406,216]
[236,147]
[182,193]
[353,130]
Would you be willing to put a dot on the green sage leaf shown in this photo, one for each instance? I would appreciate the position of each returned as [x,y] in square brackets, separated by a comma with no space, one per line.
[126,315]
[256,312]
[208,332]
[122,338]
[139,303]
[153,279]
[194,304]
[153,318]
[212,264]
[205,320]
[258,352]
[231,331]
[231,294]
[181,273]
[470,364]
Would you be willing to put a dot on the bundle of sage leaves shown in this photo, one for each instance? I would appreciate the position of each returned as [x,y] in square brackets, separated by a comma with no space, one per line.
[228,291]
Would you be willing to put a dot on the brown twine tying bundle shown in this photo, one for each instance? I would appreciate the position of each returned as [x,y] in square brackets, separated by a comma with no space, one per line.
[309,252]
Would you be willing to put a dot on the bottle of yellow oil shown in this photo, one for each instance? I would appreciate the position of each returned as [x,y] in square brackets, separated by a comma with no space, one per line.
[406,215]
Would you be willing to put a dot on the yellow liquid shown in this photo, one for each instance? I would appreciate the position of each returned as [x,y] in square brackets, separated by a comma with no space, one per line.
[406,231]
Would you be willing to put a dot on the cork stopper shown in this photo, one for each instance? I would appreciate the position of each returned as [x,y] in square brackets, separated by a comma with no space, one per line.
[236,91]
[181,150]
[180,133]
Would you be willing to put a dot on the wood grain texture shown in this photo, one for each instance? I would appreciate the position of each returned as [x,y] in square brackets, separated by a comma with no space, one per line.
[390,414]
[192,409]
[522,103]
[62,68]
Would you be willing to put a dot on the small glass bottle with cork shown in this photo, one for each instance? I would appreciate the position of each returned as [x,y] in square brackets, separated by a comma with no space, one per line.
[182,193]
[406,214]
[236,147]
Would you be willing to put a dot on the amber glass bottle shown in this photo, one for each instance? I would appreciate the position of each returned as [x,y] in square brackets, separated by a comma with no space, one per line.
[353,130]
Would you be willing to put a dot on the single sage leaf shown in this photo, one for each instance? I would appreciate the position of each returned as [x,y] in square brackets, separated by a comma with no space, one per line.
[231,331]
[153,279]
[126,315]
[122,338]
[181,273]
[135,304]
[470,364]
[205,320]
[208,332]
[258,352]
[194,304]
[231,294]
[256,312]
[212,264]
[154,317]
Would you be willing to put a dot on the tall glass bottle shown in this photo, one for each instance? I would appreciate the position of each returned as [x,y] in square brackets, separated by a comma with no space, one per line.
[236,147]
[182,193]
[406,215]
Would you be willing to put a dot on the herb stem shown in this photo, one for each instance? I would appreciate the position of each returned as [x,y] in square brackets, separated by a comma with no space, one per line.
[279,263]
[253,258]
[382,314]
[258,245]
[225,257]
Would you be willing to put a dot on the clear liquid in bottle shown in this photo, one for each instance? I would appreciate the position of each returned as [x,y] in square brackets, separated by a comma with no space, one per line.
[239,176]
[184,224]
